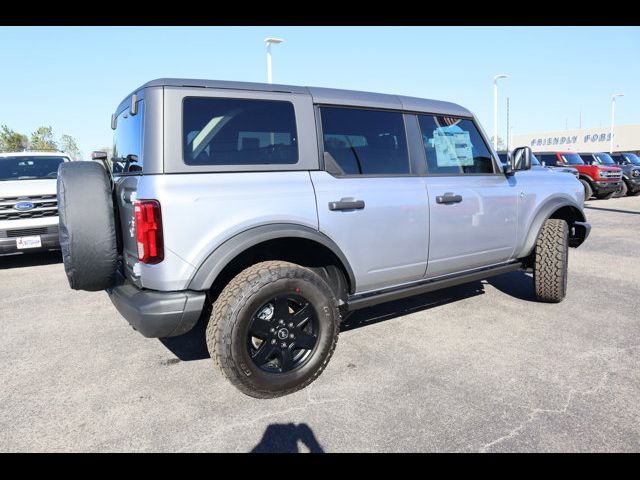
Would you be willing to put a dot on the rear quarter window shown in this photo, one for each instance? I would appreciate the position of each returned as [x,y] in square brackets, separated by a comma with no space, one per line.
[231,131]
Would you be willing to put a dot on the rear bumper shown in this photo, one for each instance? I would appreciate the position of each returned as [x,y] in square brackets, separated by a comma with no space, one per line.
[157,314]
[50,241]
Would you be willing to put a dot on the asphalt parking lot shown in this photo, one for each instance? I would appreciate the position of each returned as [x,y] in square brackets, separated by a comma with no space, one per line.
[480,367]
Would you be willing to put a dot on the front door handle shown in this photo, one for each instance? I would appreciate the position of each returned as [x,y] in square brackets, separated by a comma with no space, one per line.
[344,204]
[448,198]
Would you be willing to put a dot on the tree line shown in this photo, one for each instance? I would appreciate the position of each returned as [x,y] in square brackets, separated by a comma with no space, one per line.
[41,139]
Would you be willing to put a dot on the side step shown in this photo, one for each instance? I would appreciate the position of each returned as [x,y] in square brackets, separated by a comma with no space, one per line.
[355,302]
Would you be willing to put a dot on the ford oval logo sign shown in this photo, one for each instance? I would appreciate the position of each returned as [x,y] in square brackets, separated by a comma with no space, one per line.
[22,206]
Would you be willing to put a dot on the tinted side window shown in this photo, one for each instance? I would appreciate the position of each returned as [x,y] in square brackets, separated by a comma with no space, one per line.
[364,142]
[231,131]
[454,146]
[127,141]
[549,160]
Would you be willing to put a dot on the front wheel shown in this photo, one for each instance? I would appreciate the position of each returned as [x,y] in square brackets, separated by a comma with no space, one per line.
[588,191]
[622,192]
[550,270]
[273,329]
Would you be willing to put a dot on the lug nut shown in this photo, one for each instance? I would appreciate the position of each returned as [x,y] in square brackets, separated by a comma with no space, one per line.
[281,322]
[291,335]
[272,329]
[283,345]
[273,341]
[290,324]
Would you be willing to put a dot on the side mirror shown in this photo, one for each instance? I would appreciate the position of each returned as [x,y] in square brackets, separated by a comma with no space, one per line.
[520,158]
[508,169]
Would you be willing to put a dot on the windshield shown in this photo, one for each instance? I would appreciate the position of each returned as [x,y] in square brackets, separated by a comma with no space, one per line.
[572,159]
[29,167]
[633,158]
[604,158]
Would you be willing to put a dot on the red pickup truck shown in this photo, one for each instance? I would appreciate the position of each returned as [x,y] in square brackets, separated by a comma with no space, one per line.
[598,180]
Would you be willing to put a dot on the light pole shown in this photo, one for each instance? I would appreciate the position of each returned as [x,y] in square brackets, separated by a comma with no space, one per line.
[613,111]
[495,108]
[268,42]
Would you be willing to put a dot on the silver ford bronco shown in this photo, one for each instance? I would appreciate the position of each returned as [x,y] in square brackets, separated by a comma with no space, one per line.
[271,211]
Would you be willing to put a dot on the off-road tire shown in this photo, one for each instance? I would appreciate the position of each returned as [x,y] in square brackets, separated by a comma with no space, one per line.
[588,191]
[551,261]
[623,190]
[87,225]
[227,329]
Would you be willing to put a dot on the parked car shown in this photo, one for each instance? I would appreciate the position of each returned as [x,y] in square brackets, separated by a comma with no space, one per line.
[271,211]
[630,165]
[535,163]
[28,202]
[601,181]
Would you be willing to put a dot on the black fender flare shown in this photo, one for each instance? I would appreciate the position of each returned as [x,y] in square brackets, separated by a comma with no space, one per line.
[217,260]
[584,176]
[544,213]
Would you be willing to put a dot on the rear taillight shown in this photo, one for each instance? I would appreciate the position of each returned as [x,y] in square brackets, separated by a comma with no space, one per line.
[149,231]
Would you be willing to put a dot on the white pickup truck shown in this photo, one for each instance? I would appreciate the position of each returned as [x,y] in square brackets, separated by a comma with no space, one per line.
[28,203]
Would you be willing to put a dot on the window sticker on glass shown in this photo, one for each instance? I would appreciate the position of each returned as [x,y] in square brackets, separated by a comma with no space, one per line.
[452,146]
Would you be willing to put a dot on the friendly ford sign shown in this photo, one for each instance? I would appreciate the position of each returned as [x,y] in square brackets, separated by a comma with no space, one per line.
[571,139]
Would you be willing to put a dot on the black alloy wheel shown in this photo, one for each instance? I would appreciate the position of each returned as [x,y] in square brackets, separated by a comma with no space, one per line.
[282,333]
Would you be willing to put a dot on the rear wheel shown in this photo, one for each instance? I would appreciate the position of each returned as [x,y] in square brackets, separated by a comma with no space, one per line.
[588,192]
[273,329]
[550,269]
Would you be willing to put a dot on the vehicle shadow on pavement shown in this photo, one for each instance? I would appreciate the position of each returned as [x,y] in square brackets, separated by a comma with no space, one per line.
[517,284]
[286,438]
[21,260]
[192,345]
[399,308]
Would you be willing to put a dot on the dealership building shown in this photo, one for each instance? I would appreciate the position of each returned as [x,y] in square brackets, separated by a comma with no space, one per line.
[626,138]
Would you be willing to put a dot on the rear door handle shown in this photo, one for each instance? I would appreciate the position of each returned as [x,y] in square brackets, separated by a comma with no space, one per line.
[448,198]
[346,205]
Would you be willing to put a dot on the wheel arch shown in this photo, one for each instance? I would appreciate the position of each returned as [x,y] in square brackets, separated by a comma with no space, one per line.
[252,240]
[585,177]
[555,208]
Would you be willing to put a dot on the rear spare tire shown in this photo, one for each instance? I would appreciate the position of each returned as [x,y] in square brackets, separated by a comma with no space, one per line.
[87,225]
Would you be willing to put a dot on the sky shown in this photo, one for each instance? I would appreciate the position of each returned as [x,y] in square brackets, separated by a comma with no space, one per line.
[73,78]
